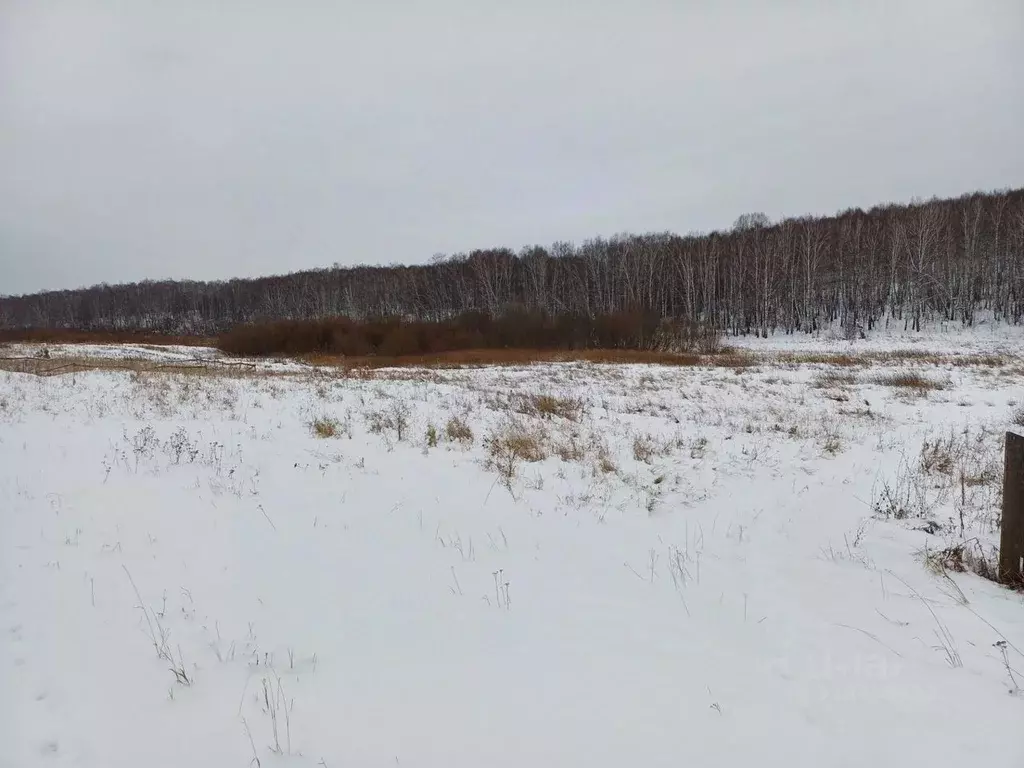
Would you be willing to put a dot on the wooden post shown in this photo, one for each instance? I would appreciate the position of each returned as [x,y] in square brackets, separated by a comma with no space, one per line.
[1011,542]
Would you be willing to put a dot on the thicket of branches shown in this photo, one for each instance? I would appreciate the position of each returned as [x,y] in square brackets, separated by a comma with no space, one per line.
[905,264]
[512,329]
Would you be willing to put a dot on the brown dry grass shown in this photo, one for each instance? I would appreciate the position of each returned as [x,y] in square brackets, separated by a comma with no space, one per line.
[369,367]
[527,446]
[68,365]
[547,406]
[511,444]
[962,557]
[910,380]
[488,357]
[324,427]
[864,359]
[833,379]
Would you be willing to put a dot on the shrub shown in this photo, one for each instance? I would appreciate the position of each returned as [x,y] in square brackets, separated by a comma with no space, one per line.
[688,336]
[511,328]
[1018,417]
[393,418]
[458,431]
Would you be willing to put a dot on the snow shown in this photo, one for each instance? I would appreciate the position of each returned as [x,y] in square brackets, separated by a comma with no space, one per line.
[731,600]
[984,337]
[168,353]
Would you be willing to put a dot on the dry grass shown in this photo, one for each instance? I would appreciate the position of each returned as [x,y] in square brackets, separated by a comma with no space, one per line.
[570,447]
[833,379]
[965,459]
[604,463]
[955,476]
[367,367]
[511,444]
[831,443]
[73,364]
[645,448]
[488,357]
[548,406]
[891,357]
[458,431]
[816,358]
[962,557]
[324,427]
[910,380]
[521,443]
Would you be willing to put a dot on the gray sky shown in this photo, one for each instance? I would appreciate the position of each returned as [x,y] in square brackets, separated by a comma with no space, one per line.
[214,138]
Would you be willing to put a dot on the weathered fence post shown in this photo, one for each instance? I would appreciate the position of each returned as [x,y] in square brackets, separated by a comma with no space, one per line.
[1011,542]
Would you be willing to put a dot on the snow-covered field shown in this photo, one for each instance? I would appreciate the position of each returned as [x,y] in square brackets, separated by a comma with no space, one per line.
[555,565]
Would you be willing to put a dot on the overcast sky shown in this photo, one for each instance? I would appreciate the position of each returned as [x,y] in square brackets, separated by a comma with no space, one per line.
[213,138]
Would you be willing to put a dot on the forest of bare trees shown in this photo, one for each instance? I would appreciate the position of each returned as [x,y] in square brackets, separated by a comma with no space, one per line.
[896,264]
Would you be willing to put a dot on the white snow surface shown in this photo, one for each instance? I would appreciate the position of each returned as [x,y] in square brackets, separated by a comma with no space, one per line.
[984,337]
[698,579]
[169,353]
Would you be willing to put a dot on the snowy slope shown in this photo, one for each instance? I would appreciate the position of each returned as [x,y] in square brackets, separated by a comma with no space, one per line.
[693,575]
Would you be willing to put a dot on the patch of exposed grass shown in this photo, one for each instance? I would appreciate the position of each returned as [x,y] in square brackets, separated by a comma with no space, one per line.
[324,427]
[910,380]
[892,357]
[57,366]
[833,379]
[475,358]
[511,444]
[817,358]
[547,406]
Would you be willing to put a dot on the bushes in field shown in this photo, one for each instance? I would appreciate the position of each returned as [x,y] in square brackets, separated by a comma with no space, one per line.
[513,329]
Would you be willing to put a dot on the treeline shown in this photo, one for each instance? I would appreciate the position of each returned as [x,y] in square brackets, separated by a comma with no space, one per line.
[511,329]
[894,264]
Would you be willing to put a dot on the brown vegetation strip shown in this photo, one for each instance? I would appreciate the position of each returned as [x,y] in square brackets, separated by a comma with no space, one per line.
[470,358]
[64,365]
[484,357]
